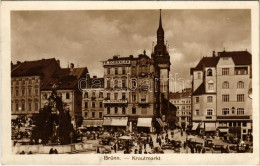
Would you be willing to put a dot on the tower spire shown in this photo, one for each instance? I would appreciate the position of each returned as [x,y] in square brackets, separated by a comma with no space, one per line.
[160,21]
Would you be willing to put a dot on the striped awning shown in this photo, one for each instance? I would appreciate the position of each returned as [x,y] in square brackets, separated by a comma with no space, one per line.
[195,126]
[92,123]
[159,120]
[210,127]
[225,130]
[144,122]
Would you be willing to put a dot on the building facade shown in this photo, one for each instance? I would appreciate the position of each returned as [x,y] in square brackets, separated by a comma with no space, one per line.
[182,101]
[221,100]
[66,80]
[92,104]
[26,80]
[129,92]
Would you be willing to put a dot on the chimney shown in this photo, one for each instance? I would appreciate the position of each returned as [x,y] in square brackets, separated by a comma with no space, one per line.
[71,66]
[213,54]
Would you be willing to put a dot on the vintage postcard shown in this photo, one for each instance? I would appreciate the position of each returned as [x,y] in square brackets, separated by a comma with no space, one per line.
[130,83]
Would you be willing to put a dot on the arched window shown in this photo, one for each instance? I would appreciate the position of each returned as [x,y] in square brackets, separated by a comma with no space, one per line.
[209,72]
[225,85]
[240,84]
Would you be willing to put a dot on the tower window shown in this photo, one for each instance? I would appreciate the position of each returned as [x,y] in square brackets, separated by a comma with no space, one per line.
[209,72]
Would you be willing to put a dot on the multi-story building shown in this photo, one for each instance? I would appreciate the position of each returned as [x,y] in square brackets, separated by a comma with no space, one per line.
[129,92]
[182,101]
[137,89]
[92,103]
[26,80]
[67,80]
[221,93]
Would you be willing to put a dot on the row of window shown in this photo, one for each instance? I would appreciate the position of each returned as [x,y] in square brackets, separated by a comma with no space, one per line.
[123,110]
[232,124]
[116,71]
[117,83]
[93,104]
[184,113]
[46,96]
[183,107]
[21,107]
[240,111]
[93,94]
[23,82]
[93,115]
[225,111]
[183,102]
[240,85]
[23,92]
[225,98]
[226,71]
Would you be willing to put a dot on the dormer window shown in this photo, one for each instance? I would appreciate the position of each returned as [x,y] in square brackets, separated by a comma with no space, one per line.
[209,72]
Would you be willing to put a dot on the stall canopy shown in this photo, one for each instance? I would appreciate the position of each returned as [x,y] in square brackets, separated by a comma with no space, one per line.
[92,123]
[210,127]
[223,130]
[144,122]
[160,122]
[195,126]
[119,122]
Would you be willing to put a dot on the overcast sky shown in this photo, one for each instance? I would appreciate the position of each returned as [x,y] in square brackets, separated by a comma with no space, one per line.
[86,38]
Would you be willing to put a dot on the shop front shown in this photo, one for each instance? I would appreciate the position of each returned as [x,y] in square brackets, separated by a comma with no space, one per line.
[144,125]
[210,129]
[93,125]
[115,124]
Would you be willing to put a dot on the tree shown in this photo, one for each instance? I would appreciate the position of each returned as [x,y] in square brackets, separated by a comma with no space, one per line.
[53,123]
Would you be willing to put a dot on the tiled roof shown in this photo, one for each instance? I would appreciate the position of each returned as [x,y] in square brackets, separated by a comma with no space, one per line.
[34,68]
[179,95]
[65,78]
[239,57]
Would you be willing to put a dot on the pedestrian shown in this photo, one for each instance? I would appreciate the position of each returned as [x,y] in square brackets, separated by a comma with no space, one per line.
[181,132]
[160,142]
[140,151]
[51,151]
[98,150]
[55,151]
[196,149]
[203,150]
[136,151]
[114,148]
[145,152]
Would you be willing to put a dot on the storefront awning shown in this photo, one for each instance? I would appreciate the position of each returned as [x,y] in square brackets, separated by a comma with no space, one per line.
[14,117]
[92,123]
[119,122]
[107,122]
[144,122]
[210,127]
[223,130]
[195,126]
[160,122]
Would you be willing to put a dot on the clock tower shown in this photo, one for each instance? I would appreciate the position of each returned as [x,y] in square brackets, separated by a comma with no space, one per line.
[161,57]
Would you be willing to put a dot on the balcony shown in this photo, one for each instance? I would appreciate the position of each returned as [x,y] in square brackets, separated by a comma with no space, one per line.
[113,101]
